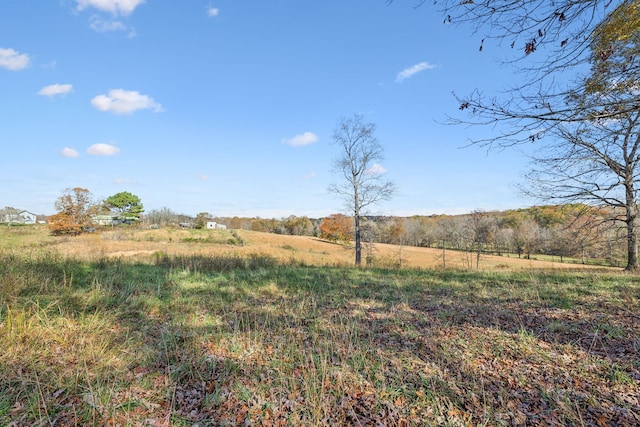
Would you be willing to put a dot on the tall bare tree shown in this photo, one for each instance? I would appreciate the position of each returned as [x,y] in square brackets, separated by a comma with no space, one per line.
[589,134]
[361,177]
[479,226]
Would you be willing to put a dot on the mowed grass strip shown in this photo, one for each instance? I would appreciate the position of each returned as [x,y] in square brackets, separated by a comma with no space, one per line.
[250,340]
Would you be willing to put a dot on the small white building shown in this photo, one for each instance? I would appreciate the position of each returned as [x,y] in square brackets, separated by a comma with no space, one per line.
[212,225]
[15,216]
[27,217]
[106,220]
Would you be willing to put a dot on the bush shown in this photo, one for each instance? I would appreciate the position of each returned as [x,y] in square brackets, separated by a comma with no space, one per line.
[63,224]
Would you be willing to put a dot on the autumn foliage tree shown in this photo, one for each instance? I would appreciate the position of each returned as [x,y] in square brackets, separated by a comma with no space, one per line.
[336,228]
[75,209]
[62,223]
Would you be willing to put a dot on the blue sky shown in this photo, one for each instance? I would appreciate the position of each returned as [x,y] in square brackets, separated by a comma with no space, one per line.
[229,106]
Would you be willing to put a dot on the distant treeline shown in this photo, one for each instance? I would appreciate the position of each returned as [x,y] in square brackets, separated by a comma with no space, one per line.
[576,231]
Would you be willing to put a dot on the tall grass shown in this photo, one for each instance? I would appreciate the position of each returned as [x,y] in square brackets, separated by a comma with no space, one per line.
[228,340]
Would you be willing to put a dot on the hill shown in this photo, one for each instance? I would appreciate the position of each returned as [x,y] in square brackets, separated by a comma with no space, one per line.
[145,244]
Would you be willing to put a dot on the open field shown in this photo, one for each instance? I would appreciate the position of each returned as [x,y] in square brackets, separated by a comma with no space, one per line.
[181,328]
[141,245]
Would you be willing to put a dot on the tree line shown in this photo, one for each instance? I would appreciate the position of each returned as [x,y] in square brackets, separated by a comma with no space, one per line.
[575,231]
[563,231]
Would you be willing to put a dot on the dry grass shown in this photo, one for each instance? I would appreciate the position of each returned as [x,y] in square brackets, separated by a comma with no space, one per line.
[143,244]
[185,327]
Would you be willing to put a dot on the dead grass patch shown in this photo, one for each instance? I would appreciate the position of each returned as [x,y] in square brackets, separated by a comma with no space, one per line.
[142,244]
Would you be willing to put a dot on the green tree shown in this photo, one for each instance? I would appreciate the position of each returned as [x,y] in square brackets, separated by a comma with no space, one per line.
[362,184]
[297,226]
[127,206]
[201,219]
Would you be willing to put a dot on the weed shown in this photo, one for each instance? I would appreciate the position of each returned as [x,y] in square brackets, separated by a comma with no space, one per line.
[621,377]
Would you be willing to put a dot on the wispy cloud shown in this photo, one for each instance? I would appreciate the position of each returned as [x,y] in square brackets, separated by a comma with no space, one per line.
[69,152]
[303,139]
[213,11]
[310,175]
[412,71]
[100,25]
[115,7]
[56,89]
[120,101]
[102,149]
[12,60]
[202,177]
[376,169]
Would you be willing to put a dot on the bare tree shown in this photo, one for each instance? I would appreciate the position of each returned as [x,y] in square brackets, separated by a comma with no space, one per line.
[544,37]
[597,159]
[526,238]
[162,216]
[443,233]
[586,127]
[555,41]
[362,184]
[556,30]
[587,133]
[479,225]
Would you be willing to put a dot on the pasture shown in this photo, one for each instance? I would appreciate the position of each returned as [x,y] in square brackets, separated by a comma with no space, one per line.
[198,327]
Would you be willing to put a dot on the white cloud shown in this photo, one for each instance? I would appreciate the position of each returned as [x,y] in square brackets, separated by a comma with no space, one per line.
[69,152]
[376,169]
[12,60]
[213,11]
[102,149]
[300,140]
[411,71]
[56,89]
[115,7]
[202,177]
[310,175]
[121,101]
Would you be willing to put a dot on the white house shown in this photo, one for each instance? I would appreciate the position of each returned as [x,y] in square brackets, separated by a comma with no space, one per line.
[14,216]
[212,225]
[27,217]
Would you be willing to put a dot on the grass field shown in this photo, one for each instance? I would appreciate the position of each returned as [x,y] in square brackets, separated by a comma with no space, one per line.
[140,245]
[189,327]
